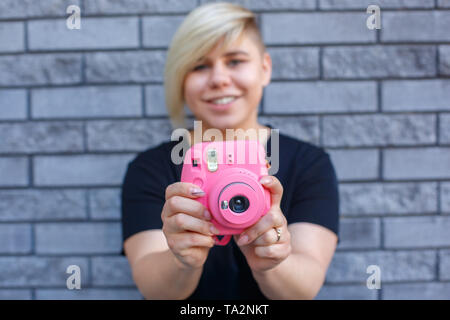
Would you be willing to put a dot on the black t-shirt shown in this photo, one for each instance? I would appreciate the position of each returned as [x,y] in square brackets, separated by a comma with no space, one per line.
[310,194]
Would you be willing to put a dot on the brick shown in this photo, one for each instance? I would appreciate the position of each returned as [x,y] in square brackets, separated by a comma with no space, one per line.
[125,66]
[416,95]
[417,291]
[15,238]
[105,203]
[378,130]
[80,170]
[87,102]
[417,26]
[320,97]
[42,205]
[30,8]
[127,135]
[13,104]
[138,6]
[388,198]
[29,137]
[444,60]
[383,4]
[155,102]
[303,128]
[158,31]
[111,271]
[359,233]
[88,294]
[40,69]
[379,62]
[272,5]
[443,3]
[351,267]
[416,232]
[444,265]
[294,63]
[316,28]
[12,35]
[349,166]
[417,163]
[445,197]
[33,271]
[95,33]
[14,171]
[444,128]
[15,294]
[346,292]
[78,238]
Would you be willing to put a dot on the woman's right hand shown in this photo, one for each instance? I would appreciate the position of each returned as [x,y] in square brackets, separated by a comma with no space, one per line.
[186,225]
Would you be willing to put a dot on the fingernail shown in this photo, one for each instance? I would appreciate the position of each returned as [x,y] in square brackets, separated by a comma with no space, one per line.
[243,239]
[207,215]
[265,180]
[197,192]
[214,230]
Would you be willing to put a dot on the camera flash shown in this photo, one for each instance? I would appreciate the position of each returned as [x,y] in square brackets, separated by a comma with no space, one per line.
[212,160]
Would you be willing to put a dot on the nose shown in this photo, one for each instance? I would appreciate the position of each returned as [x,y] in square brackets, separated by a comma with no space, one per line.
[219,76]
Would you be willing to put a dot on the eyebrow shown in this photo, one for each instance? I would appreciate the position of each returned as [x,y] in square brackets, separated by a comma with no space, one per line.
[230,53]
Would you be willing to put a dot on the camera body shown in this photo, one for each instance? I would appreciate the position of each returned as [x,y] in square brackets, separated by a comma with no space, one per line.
[229,173]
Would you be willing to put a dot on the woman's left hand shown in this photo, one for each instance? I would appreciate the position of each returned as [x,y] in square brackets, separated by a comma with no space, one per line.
[259,243]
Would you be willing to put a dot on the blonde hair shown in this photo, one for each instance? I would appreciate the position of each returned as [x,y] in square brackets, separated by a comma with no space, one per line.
[200,31]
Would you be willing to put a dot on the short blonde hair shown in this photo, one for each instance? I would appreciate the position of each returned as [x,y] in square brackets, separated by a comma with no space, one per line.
[200,31]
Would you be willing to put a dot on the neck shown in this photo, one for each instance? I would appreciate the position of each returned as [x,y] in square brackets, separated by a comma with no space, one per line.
[207,133]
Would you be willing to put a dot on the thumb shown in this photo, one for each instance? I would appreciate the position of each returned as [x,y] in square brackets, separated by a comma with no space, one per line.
[274,186]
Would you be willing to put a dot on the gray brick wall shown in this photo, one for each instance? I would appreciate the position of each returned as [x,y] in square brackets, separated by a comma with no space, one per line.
[77,105]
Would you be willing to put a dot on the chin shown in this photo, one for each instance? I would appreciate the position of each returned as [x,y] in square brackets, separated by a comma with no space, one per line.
[223,124]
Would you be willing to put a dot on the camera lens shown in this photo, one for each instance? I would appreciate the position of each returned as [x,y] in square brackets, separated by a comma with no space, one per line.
[239,204]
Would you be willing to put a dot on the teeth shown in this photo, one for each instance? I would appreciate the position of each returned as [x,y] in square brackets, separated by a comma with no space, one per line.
[224,100]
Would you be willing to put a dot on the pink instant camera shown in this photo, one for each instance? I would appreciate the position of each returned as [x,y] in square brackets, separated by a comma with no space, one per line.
[229,173]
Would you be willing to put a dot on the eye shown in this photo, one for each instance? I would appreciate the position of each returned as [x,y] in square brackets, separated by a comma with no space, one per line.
[236,61]
[199,67]
[233,62]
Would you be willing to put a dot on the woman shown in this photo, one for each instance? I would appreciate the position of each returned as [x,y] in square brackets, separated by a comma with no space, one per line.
[218,66]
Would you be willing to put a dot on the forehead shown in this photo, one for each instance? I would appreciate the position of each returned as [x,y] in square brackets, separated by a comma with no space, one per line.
[243,45]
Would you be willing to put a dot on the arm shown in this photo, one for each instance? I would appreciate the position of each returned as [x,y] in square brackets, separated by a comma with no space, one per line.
[302,273]
[156,271]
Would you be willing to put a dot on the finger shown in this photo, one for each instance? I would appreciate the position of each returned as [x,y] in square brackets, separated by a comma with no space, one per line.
[274,251]
[189,206]
[275,188]
[273,219]
[181,222]
[267,238]
[184,189]
[186,240]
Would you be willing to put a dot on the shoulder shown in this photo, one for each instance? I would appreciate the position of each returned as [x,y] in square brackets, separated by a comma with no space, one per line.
[304,154]
[303,162]
[302,147]
[154,155]
[153,165]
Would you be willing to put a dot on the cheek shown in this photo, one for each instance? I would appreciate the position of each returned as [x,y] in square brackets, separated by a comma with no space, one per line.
[191,89]
[253,89]
[251,80]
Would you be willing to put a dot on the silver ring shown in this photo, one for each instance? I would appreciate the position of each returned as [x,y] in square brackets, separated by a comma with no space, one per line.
[278,230]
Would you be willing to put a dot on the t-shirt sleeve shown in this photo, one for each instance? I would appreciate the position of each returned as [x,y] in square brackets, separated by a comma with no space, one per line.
[316,196]
[143,197]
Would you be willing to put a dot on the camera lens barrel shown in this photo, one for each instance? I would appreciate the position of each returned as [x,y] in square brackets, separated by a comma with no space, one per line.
[239,204]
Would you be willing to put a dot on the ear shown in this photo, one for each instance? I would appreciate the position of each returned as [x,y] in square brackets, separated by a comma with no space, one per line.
[266,68]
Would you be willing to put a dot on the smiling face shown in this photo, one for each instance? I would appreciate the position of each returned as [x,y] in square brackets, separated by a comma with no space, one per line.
[240,71]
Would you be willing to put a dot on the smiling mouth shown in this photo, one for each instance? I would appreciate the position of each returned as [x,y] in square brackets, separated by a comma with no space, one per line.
[222,104]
